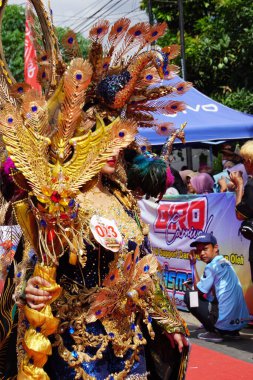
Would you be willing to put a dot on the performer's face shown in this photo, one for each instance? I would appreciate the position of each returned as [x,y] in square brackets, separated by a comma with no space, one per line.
[111,164]
[206,252]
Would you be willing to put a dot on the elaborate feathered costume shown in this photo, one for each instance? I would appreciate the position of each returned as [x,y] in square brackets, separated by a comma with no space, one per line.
[59,140]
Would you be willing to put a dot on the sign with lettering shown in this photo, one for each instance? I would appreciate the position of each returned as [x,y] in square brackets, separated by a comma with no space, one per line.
[177,221]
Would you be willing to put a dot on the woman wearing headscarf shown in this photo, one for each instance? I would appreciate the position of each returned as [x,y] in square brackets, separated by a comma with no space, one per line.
[201,184]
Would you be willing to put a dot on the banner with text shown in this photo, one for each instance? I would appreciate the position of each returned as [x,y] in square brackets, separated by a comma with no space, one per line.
[176,221]
[31,66]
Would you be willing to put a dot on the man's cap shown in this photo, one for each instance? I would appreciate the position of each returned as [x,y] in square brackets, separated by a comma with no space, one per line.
[205,238]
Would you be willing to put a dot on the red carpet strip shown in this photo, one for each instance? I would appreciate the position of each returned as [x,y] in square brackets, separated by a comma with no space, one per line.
[205,364]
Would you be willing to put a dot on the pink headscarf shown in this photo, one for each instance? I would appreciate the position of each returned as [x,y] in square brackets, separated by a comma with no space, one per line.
[202,183]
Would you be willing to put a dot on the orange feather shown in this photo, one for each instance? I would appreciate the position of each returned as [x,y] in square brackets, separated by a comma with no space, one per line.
[99,30]
[172,51]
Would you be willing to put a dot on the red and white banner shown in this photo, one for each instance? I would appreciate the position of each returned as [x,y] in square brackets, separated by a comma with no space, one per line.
[176,221]
[31,66]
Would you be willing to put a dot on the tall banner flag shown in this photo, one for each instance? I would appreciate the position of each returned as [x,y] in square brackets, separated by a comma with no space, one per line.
[31,66]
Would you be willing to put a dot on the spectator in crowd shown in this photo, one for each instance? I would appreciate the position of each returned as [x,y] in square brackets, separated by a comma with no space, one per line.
[222,309]
[202,183]
[178,184]
[185,174]
[244,195]
[229,156]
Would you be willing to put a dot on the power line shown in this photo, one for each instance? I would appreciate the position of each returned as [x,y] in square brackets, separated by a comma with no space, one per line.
[85,11]
[112,14]
[87,27]
[81,25]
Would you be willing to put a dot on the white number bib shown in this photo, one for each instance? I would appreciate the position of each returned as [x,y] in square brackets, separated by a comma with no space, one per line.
[106,233]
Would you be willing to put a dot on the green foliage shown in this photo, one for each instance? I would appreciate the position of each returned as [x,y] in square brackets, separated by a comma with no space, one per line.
[13,39]
[13,31]
[218,46]
[241,99]
[82,42]
[217,164]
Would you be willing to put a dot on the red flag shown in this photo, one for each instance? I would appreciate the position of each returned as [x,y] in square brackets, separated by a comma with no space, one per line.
[31,66]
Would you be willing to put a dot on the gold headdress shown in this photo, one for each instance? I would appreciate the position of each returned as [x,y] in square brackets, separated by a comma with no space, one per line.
[61,138]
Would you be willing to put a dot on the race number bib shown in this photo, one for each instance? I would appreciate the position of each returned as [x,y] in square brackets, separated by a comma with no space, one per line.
[106,233]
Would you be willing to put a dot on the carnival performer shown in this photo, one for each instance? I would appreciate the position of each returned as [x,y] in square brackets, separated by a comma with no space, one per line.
[108,201]
[102,299]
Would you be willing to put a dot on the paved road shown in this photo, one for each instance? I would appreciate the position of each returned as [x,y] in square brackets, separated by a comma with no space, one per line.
[241,349]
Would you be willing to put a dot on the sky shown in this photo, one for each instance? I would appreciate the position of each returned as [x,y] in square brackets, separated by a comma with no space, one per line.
[80,15]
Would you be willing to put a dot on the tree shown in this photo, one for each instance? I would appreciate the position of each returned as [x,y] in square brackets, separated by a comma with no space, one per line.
[13,32]
[219,46]
[13,38]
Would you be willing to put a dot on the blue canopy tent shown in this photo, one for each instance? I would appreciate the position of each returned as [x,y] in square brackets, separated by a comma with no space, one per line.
[206,120]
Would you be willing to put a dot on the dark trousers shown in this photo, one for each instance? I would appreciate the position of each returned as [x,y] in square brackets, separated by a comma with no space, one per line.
[206,312]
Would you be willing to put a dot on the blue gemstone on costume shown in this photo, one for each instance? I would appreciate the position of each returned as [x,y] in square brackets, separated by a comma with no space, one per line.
[149,319]
[132,326]
[129,266]
[146,268]
[71,330]
[165,310]
[137,33]
[99,30]
[43,74]
[149,77]
[43,223]
[31,361]
[180,88]
[73,216]
[10,120]
[154,33]
[38,329]
[140,336]
[74,354]
[34,108]
[163,129]
[70,40]
[71,203]
[137,259]
[161,287]
[105,65]
[20,90]
[119,29]
[121,134]
[174,107]
[112,277]
[143,288]
[44,58]
[26,323]
[143,148]
[166,72]
[98,312]
[111,335]
[19,274]
[79,76]
[111,377]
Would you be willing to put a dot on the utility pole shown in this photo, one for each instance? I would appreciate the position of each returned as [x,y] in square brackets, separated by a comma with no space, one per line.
[182,44]
[188,149]
[150,13]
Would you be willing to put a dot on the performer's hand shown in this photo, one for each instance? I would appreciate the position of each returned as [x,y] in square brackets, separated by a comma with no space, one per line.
[177,339]
[192,257]
[36,297]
